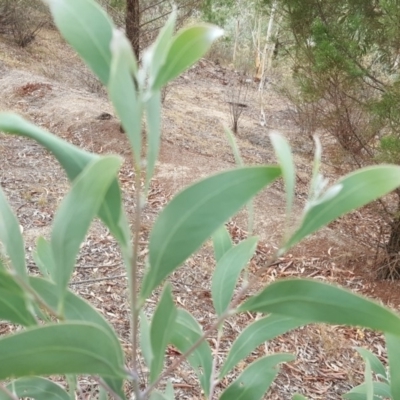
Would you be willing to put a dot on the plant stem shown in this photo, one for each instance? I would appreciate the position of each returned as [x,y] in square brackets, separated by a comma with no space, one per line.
[134,283]
[214,381]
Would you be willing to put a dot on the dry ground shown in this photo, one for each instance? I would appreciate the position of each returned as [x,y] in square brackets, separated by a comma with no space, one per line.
[47,84]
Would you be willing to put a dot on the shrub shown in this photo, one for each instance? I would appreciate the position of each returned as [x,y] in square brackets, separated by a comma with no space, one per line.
[62,334]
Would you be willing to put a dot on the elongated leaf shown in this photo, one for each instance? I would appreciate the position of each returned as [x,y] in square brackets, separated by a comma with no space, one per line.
[255,334]
[369,387]
[255,380]
[14,303]
[88,29]
[169,391]
[65,348]
[123,93]
[374,361]
[76,212]
[154,57]
[235,149]
[189,45]
[195,213]
[145,345]
[162,324]
[36,388]
[299,397]
[185,333]
[381,390]
[11,238]
[77,309]
[222,242]
[228,270]
[351,192]
[43,257]
[153,112]
[285,158]
[393,349]
[74,160]
[318,302]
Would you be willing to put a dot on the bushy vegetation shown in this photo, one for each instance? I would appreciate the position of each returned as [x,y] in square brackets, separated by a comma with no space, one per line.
[61,334]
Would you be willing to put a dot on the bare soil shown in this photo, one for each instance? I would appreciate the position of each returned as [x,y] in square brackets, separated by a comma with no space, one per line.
[48,85]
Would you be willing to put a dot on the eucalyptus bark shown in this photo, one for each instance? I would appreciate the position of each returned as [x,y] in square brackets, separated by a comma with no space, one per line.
[132,25]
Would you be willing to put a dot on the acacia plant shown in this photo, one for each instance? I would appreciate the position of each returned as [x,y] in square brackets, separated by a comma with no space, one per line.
[61,334]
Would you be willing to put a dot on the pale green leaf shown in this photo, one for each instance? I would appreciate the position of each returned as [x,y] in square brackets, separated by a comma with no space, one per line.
[227,272]
[315,301]
[381,390]
[258,332]
[145,345]
[393,350]
[11,238]
[185,333]
[88,29]
[169,391]
[153,113]
[123,92]
[102,394]
[369,387]
[77,309]
[196,213]
[188,46]
[161,328]
[235,149]
[14,302]
[36,388]
[374,361]
[76,212]
[299,397]
[74,160]
[256,379]
[154,57]
[222,242]
[64,348]
[43,257]
[285,158]
[351,192]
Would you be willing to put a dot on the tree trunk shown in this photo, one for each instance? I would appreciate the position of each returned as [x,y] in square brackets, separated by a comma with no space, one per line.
[390,268]
[132,25]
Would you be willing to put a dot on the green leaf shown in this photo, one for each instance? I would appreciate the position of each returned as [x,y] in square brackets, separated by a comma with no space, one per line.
[77,309]
[374,361]
[187,332]
[393,350]
[162,324]
[64,348]
[228,270]
[196,213]
[88,29]
[123,93]
[315,301]
[36,388]
[381,390]
[43,257]
[102,393]
[145,344]
[222,242]
[285,158]
[235,149]
[76,212]
[255,380]
[14,302]
[351,192]
[74,160]
[11,238]
[255,334]
[169,391]
[368,381]
[299,397]
[154,57]
[188,46]
[153,112]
